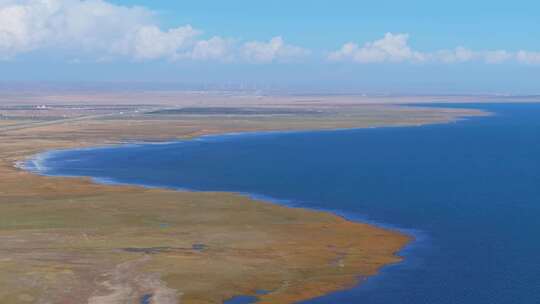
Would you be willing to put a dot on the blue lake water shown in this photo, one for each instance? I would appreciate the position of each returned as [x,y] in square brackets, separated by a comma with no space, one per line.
[469,191]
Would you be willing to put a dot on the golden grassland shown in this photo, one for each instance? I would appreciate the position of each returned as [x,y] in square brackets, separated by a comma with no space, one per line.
[69,240]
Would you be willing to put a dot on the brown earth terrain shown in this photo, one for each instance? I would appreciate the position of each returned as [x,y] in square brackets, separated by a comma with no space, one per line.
[69,240]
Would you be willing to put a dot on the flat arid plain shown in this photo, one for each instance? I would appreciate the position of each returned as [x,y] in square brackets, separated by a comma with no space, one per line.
[70,240]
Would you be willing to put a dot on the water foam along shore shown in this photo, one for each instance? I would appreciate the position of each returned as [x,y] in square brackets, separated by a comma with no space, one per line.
[35,163]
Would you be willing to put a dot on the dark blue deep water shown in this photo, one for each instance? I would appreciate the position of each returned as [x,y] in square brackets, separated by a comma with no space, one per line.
[469,191]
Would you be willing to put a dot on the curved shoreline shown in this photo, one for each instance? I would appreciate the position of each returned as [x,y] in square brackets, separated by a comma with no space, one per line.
[254,197]
[282,225]
[359,218]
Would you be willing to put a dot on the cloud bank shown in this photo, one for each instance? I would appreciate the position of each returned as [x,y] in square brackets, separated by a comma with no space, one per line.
[391,48]
[396,48]
[101,29]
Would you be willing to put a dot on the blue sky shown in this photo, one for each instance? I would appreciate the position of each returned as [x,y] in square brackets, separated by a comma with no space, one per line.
[339,46]
[325,24]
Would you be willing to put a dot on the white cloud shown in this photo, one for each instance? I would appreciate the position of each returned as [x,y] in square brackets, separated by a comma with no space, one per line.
[215,48]
[149,42]
[86,26]
[275,49]
[396,48]
[102,30]
[498,56]
[392,48]
[528,57]
[459,54]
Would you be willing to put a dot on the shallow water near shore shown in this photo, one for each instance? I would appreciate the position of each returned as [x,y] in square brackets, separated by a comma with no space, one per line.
[468,191]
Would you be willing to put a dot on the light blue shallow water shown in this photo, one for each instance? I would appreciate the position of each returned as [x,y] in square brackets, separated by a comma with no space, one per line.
[469,191]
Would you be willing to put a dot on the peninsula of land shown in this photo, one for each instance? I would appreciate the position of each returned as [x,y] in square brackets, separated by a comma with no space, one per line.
[69,240]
